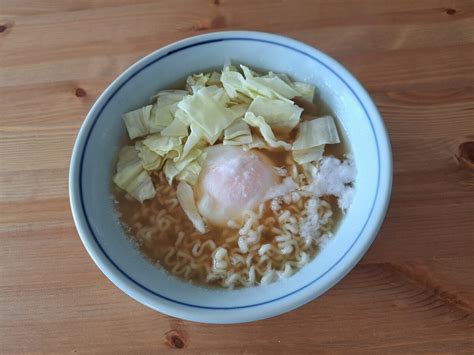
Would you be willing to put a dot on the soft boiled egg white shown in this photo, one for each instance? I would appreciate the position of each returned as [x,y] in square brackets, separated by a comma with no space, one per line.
[231,182]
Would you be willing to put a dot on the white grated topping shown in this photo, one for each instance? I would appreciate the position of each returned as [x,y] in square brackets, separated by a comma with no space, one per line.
[309,225]
[334,177]
[287,185]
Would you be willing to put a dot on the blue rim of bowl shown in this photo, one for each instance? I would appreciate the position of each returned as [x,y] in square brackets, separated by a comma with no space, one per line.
[138,70]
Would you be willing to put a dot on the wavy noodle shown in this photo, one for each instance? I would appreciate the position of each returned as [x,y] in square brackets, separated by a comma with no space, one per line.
[264,247]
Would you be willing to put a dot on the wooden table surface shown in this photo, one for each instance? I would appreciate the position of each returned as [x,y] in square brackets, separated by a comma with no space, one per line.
[413,291]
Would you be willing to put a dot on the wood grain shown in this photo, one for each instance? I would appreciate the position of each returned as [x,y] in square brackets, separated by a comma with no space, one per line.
[412,292]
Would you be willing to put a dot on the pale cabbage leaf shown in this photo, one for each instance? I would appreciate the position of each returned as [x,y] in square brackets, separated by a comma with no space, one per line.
[282,76]
[269,85]
[206,111]
[171,147]
[172,169]
[190,174]
[185,196]
[218,94]
[305,90]
[177,128]
[234,83]
[257,143]
[280,115]
[164,110]
[129,166]
[239,99]
[141,188]
[161,117]
[316,132]
[196,81]
[308,155]
[150,160]
[127,157]
[137,122]
[183,117]
[238,133]
[252,85]
[169,97]
[131,176]
[153,118]
[214,79]
[265,131]
[194,140]
[238,110]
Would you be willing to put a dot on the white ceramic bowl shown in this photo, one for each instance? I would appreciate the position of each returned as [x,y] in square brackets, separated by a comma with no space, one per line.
[102,133]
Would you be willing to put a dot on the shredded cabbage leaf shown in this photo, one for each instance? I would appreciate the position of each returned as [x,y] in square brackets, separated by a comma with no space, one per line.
[214,79]
[177,128]
[169,147]
[312,136]
[282,76]
[127,157]
[185,196]
[153,118]
[190,174]
[131,176]
[303,156]
[168,97]
[160,117]
[280,115]
[316,132]
[269,86]
[150,160]
[239,110]
[183,117]
[163,111]
[240,99]
[265,131]
[306,91]
[257,143]
[206,111]
[234,83]
[238,133]
[218,94]
[173,169]
[194,139]
[197,81]
[137,122]
[141,187]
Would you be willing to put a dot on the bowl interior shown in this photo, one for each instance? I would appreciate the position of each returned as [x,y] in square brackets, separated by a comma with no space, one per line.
[160,71]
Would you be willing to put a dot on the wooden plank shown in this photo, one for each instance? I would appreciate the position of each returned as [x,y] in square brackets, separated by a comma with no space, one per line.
[412,292]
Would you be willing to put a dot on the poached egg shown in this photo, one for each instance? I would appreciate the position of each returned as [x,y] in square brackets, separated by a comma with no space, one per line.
[231,182]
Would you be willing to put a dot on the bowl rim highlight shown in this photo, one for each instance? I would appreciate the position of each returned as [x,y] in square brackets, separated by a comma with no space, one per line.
[261,310]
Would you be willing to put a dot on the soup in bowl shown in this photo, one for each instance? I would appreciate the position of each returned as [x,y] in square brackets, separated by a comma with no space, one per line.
[230,177]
